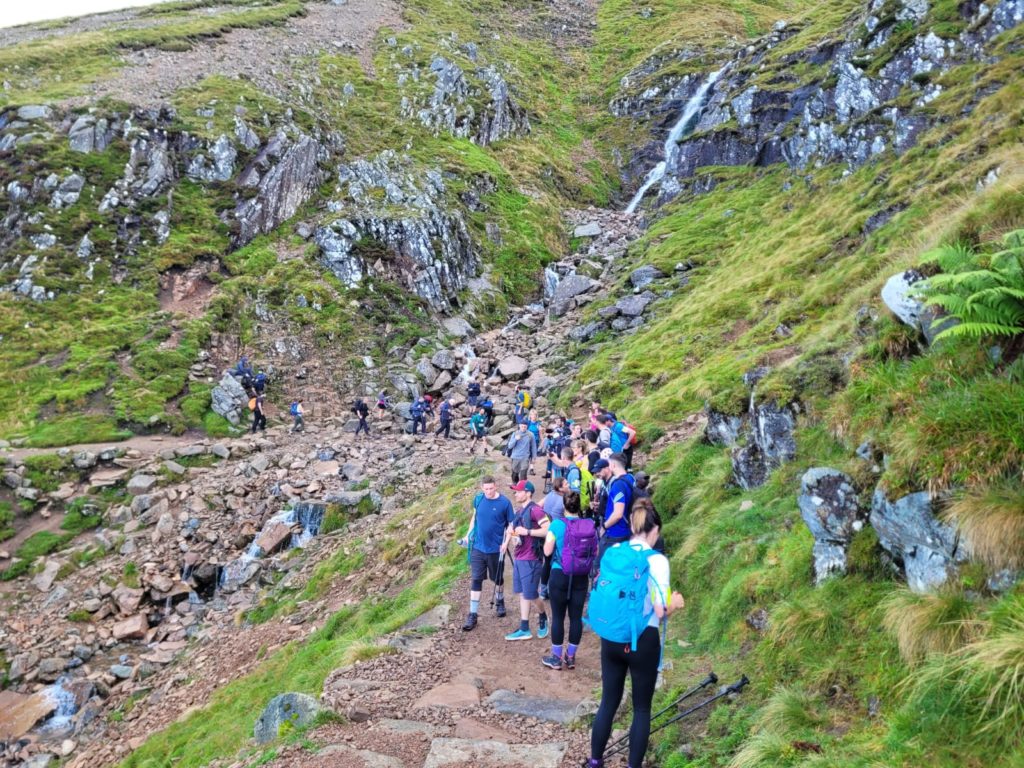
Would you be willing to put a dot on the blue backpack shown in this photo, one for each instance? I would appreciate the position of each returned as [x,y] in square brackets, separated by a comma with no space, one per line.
[617,601]
[294,410]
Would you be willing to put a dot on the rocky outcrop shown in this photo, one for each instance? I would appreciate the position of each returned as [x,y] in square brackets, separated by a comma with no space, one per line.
[928,550]
[293,710]
[846,109]
[478,107]
[284,173]
[413,237]
[770,443]
[829,507]
[229,399]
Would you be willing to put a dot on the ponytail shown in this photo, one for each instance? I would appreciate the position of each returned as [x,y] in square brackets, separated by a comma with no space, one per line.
[572,503]
[644,518]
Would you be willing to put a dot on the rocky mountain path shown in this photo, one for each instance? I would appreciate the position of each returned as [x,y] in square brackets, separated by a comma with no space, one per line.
[457,688]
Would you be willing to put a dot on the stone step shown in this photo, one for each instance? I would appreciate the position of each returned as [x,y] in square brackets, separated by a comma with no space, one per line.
[563,711]
[487,754]
[343,754]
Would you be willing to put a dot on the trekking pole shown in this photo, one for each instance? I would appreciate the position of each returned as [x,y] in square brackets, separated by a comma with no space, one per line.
[711,679]
[734,688]
[500,580]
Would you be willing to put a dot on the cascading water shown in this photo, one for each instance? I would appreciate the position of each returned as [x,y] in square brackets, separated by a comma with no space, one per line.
[466,374]
[551,281]
[683,128]
[66,707]
[308,516]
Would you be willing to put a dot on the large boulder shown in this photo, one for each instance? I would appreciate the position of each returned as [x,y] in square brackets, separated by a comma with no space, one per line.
[645,275]
[829,507]
[722,428]
[513,368]
[568,289]
[228,399]
[444,360]
[634,306]
[899,295]
[295,709]
[929,550]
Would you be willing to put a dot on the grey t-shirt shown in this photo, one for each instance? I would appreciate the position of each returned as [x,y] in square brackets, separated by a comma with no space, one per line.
[554,506]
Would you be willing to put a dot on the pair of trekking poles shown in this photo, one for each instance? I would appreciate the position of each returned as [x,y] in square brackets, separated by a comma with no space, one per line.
[621,745]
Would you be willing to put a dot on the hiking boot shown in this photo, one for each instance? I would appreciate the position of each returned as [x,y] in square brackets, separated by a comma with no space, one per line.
[570,662]
[499,609]
[542,630]
[551,662]
[470,623]
[520,634]
[593,762]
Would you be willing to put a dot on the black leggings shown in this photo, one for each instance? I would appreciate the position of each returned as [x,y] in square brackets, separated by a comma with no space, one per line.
[642,665]
[567,594]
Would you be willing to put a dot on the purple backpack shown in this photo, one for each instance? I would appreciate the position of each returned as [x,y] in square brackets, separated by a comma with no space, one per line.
[579,548]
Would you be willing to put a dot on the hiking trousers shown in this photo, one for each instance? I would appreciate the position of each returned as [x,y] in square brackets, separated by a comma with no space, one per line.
[259,421]
[567,595]
[363,426]
[617,660]
[446,428]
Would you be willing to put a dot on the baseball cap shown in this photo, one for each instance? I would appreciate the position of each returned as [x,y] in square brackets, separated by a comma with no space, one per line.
[523,485]
[601,464]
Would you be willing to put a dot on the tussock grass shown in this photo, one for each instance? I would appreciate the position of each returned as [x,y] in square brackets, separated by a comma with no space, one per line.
[927,624]
[790,710]
[991,520]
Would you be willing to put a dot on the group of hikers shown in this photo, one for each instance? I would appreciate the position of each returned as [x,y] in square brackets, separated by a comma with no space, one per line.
[594,537]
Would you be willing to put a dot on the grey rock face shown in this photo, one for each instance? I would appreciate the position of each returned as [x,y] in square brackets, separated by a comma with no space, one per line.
[502,117]
[219,165]
[928,549]
[722,428]
[296,709]
[87,134]
[68,192]
[568,289]
[444,360]
[416,240]
[285,174]
[828,505]
[770,443]
[228,399]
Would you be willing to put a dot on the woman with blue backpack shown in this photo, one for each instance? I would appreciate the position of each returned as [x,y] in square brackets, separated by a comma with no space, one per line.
[571,544]
[630,601]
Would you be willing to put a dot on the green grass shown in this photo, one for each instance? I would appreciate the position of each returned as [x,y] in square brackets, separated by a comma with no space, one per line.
[6,520]
[37,545]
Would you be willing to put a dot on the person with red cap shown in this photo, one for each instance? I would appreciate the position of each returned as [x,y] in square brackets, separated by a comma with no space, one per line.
[530,527]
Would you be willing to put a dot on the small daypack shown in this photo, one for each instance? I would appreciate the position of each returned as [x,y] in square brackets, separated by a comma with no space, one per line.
[252,404]
[617,602]
[579,547]
[294,410]
[525,519]
[525,399]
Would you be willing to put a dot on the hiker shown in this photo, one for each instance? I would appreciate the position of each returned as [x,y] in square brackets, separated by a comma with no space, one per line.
[477,430]
[619,503]
[522,449]
[248,384]
[604,434]
[418,411]
[298,412]
[616,611]
[593,452]
[383,404]
[362,410]
[445,414]
[595,411]
[488,408]
[642,490]
[260,382]
[487,539]
[259,419]
[473,393]
[621,437]
[554,508]
[243,368]
[571,543]
[522,404]
[531,527]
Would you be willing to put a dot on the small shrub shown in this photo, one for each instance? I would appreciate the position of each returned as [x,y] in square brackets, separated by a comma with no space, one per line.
[130,575]
[79,616]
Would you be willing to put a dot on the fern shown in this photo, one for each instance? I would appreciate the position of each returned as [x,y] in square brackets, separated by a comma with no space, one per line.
[985,293]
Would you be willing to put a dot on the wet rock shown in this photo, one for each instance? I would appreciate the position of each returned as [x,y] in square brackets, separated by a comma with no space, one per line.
[568,289]
[19,713]
[829,507]
[928,549]
[722,428]
[295,709]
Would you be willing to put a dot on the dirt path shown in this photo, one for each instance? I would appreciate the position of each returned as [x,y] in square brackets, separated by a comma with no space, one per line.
[270,57]
[146,445]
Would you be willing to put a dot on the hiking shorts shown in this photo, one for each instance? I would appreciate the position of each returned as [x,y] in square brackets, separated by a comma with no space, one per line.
[520,467]
[526,578]
[484,565]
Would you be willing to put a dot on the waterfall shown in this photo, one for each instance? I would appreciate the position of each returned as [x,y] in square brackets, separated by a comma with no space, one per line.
[551,280]
[306,515]
[466,374]
[66,706]
[683,128]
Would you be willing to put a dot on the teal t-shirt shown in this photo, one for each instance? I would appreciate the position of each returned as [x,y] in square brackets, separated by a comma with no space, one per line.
[557,530]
